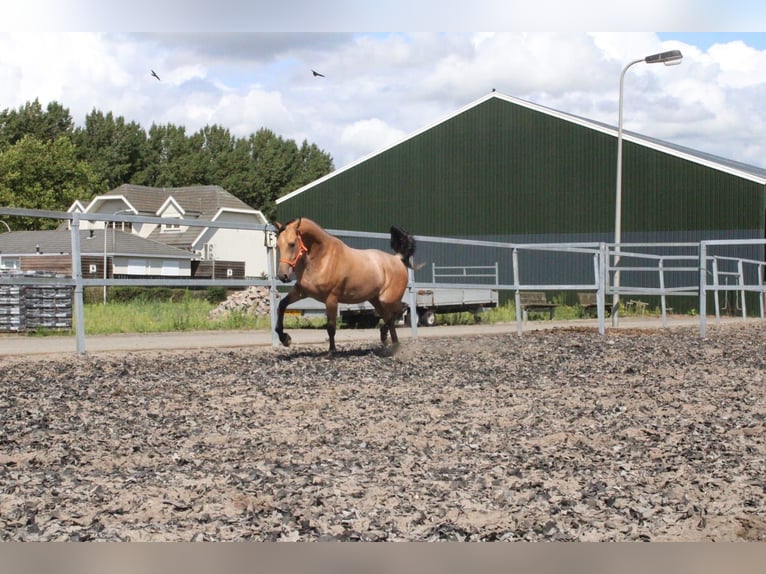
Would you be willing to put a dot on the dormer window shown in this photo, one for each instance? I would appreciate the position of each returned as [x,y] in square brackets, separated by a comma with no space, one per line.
[171,228]
[171,209]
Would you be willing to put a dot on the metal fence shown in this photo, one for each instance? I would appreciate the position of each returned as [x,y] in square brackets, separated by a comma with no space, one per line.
[685,269]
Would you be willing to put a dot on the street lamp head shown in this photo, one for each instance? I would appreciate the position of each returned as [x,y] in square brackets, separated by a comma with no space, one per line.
[671,58]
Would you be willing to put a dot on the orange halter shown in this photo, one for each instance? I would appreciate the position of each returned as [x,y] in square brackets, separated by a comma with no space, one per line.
[302,249]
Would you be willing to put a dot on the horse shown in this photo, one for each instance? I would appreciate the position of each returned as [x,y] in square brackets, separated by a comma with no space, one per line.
[330,271]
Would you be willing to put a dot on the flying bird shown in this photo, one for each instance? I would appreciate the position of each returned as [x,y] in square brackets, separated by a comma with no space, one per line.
[317,74]
[155,75]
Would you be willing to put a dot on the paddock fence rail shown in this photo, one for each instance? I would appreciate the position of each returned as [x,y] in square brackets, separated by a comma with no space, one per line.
[685,269]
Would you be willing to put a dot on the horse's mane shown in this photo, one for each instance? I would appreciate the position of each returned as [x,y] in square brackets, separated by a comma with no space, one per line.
[309,228]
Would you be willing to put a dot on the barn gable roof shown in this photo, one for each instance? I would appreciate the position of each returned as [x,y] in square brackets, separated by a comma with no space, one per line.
[735,168]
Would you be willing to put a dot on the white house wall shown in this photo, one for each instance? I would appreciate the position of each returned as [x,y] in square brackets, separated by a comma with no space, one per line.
[166,267]
[237,244]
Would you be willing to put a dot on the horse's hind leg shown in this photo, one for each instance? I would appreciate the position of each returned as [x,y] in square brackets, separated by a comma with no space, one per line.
[392,328]
[332,318]
[389,313]
[385,327]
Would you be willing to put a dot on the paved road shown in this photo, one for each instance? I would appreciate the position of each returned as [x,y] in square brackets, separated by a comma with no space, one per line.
[19,345]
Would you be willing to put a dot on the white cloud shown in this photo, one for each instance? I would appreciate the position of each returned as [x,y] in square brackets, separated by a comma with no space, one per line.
[370,135]
[741,66]
[380,87]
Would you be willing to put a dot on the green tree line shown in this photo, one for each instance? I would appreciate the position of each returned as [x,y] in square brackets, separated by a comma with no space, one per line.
[46,162]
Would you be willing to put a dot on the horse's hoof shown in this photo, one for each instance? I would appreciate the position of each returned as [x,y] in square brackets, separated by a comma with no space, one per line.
[387,350]
[285,339]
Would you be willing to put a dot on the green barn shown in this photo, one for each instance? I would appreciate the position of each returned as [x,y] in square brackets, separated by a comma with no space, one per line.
[505,169]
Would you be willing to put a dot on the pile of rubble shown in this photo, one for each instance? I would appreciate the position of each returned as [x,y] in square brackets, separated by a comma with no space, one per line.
[252,301]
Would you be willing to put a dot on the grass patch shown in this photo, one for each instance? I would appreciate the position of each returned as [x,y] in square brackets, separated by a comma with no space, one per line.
[190,313]
[143,316]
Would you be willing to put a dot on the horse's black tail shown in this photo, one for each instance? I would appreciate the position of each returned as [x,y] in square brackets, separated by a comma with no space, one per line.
[404,245]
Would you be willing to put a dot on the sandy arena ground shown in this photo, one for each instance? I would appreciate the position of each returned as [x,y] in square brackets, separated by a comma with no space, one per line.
[557,435]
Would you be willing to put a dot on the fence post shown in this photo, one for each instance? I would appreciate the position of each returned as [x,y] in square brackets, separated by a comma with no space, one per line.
[413,302]
[703,286]
[517,297]
[716,296]
[600,285]
[79,313]
[761,294]
[741,280]
[663,303]
[270,264]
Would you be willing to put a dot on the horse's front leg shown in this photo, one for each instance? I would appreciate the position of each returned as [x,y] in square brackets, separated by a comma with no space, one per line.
[293,296]
[331,309]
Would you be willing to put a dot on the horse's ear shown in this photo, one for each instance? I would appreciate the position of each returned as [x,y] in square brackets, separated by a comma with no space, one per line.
[279,227]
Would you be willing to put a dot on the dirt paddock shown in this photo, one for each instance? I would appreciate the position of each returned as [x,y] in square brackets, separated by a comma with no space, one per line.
[558,435]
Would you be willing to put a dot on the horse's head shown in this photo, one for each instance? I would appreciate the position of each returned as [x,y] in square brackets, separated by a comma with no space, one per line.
[291,248]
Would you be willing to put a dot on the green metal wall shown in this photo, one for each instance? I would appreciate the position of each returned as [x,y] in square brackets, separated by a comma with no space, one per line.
[503,170]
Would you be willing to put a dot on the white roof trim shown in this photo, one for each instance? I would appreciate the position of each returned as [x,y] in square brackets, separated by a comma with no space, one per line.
[603,128]
[165,205]
[76,207]
[103,198]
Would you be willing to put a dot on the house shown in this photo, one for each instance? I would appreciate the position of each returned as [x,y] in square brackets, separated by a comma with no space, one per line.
[209,246]
[122,254]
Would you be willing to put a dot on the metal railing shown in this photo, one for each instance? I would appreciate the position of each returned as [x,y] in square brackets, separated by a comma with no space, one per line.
[709,266]
[652,264]
[604,259]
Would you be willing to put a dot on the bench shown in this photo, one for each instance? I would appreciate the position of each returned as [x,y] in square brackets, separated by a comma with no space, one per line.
[636,306]
[588,303]
[536,301]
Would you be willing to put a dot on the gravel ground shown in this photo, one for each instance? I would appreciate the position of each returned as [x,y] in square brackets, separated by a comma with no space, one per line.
[558,435]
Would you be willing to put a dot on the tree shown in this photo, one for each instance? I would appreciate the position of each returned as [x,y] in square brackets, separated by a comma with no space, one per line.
[108,151]
[312,164]
[115,149]
[31,120]
[169,159]
[37,174]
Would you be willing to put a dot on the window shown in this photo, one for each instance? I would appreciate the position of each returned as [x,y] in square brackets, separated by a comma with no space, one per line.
[125,226]
[171,268]
[137,267]
[171,228]
[9,263]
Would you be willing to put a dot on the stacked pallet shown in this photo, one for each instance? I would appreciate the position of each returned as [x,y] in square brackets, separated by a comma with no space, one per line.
[48,307]
[31,307]
[12,310]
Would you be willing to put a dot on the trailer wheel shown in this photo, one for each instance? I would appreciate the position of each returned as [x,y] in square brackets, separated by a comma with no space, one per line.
[427,318]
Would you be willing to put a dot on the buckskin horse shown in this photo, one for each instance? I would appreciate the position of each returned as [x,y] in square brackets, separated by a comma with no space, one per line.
[330,271]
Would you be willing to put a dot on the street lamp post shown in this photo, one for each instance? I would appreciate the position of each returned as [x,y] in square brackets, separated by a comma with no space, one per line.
[106,226]
[670,58]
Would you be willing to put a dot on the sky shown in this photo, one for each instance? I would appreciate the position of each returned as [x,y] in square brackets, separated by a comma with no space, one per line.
[248,65]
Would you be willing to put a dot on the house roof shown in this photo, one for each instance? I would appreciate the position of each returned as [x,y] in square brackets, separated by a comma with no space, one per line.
[203,202]
[17,243]
[736,168]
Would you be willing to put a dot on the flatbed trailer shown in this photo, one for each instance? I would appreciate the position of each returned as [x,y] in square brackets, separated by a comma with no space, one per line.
[429,301]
